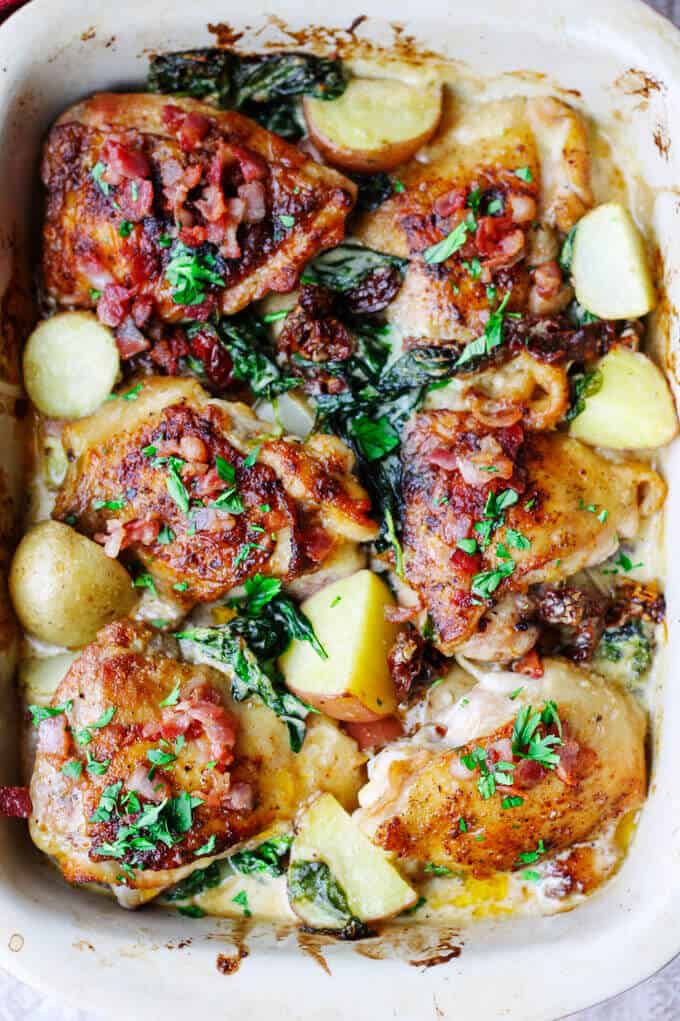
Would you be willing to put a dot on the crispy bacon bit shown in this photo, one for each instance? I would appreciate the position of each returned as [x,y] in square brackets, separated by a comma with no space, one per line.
[252,166]
[255,198]
[135,199]
[466,563]
[119,536]
[521,207]
[405,660]
[216,723]
[567,770]
[193,130]
[192,448]
[53,736]
[15,802]
[377,734]
[155,789]
[527,773]
[241,797]
[211,204]
[548,279]
[451,202]
[123,162]
[178,182]
[499,242]
[172,117]
[129,339]
[530,664]
[476,468]
[114,304]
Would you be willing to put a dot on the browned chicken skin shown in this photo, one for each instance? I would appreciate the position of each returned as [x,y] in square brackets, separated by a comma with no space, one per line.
[202,495]
[566,506]
[122,170]
[126,706]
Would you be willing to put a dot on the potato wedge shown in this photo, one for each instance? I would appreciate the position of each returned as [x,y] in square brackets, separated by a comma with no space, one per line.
[376,124]
[633,408]
[39,677]
[70,365]
[337,875]
[609,269]
[64,587]
[291,411]
[354,683]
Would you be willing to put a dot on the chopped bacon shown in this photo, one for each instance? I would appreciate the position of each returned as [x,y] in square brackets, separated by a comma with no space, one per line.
[567,769]
[192,448]
[530,664]
[172,117]
[224,234]
[475,467]
[211,204]
[521,207]
[155,789]
[129,339]
[119,536]
[193,130]
[135,199]
[114,304]
[499,751]
[376,734]
[213,519]
[548,279]
[527,773]
[15,802]
[252,166]
[451,202]
[443,457]
[255,198]
[499,242]
[141,310]
[402,614]
[123,162]
[405,660]
[178,181]
[466,563]
[211,484]
[317,543]
[97,274]
[217,724]
[53,736]
[193,236]
[241,797]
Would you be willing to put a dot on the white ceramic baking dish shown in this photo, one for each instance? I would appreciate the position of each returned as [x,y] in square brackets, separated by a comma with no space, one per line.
[623,62]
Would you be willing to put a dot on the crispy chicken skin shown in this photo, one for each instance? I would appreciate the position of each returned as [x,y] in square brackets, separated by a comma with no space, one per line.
[121,170]
[122,678]
[418,791]
[148,475]
[469,173]
[571,505]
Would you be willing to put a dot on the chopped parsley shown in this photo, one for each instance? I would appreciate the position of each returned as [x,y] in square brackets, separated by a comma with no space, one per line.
[485,583]
[274,317]
[95,295]
[492,776]
[95,767]
[583,385]
[375,438]
[467,545]
[622,564]
[524,174]
[529,857]
[165,536]
[145,581]
[393,540]
[188,273]
[181,586]
[437,870]
[512,801]
[527,743]
[462,825]
[172,698]
[72,769]
[84,736]
[491,338]
[125,228]
[97,172]
[45,712]
[108,504]
[287,220]
[241,899]
[443,250]
[208,847]
[174,484]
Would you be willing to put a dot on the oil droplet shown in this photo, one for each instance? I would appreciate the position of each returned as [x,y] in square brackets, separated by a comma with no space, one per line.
[16,942]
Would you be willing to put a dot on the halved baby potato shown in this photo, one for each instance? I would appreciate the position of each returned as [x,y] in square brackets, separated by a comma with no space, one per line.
[64,587]
[71,363]
[354,682]
[376,124]
[358,881]
[609,268]
[633,408]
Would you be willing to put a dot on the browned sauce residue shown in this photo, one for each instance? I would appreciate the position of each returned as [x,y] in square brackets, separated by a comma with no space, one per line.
[662,141]
[311,944]
[635,82]
[447,951]
[230,965]
[90,33]
[339,42]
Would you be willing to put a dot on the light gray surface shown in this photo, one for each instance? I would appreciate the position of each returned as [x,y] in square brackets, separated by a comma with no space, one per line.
[658,999]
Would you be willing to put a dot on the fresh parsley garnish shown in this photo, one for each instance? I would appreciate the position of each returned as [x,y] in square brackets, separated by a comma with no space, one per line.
[188,273]
[44,712]
[492,337]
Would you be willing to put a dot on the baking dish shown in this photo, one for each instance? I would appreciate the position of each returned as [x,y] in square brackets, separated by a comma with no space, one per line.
[618,60]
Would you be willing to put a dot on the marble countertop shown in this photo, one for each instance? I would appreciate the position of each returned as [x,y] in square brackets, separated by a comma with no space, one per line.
[657,999]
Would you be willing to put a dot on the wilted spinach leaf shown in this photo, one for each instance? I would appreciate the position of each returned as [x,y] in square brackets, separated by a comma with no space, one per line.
[347,265]
[246,338]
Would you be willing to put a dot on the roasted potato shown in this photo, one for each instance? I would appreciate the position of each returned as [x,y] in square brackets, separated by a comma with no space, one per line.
[633,408]
[64,588]
[354,682]
[70,365]
[609,268]
[375,125]
[357,883]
